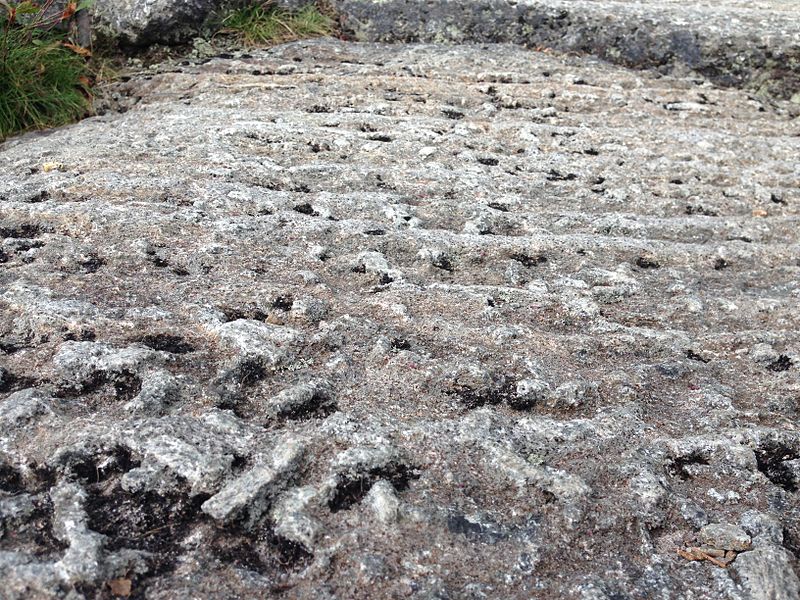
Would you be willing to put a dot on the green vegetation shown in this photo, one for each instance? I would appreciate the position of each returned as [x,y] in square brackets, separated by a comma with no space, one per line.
[44,79]
[264,24]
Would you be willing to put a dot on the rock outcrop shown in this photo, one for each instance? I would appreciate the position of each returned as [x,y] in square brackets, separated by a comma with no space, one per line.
[732,43]
[143,22]
[361,321]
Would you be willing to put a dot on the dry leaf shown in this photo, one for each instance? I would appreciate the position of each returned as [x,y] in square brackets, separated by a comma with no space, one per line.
[80,50]
[69,10]
[120,587]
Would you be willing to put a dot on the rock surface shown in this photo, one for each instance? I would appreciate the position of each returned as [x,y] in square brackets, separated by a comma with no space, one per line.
[362,321]
[731,42]
[142,22]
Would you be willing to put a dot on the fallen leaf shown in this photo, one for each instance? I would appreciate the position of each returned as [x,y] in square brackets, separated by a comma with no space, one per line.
[120,587]
[80,50]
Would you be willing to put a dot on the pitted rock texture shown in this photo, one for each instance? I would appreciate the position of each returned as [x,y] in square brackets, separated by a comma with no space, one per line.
[733,43]
[362,321]
[730,42]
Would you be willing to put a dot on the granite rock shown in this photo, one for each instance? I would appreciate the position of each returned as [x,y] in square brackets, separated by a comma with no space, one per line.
[529,323]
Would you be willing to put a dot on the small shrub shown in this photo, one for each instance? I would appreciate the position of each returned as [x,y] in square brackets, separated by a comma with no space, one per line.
[265,24]
[44,79]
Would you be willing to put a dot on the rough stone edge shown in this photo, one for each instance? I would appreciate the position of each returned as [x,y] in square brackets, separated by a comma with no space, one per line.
[750,59]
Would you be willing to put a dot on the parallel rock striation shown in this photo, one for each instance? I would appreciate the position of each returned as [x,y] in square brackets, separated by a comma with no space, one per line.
[730,42]
[733,43]
[361,321]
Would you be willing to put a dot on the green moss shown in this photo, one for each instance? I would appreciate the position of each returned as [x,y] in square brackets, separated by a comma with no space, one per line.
[265,24]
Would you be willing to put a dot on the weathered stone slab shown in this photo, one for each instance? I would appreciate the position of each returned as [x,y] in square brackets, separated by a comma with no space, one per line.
[730,42]
[532,318]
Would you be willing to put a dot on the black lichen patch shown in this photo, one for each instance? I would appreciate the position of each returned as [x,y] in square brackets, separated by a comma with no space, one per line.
[159,523]
[91,263]
[305,209]
[720,264]
[10,479]
[527,260]
[80,335]
[102,467]
[167,342]
[235,313]
[488,533]
[11,382]
[644,262]
[283,303]
[249,372]
[259,550]
[503,391]
[126,385]
[771,458]
[782,363]
[398,344]
[319,406]
[152,256]
[443,262]
[692,355]
[680,465]
[351,490]
[23,245]
[452,113]
[489,161]
[11,346]
[146,521]
[21,230]
[554,175]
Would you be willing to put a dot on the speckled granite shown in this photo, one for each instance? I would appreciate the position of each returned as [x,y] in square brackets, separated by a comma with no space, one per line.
[363,321]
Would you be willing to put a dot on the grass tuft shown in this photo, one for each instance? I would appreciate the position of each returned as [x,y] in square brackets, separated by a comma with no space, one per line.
[265,24]
[44,80]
